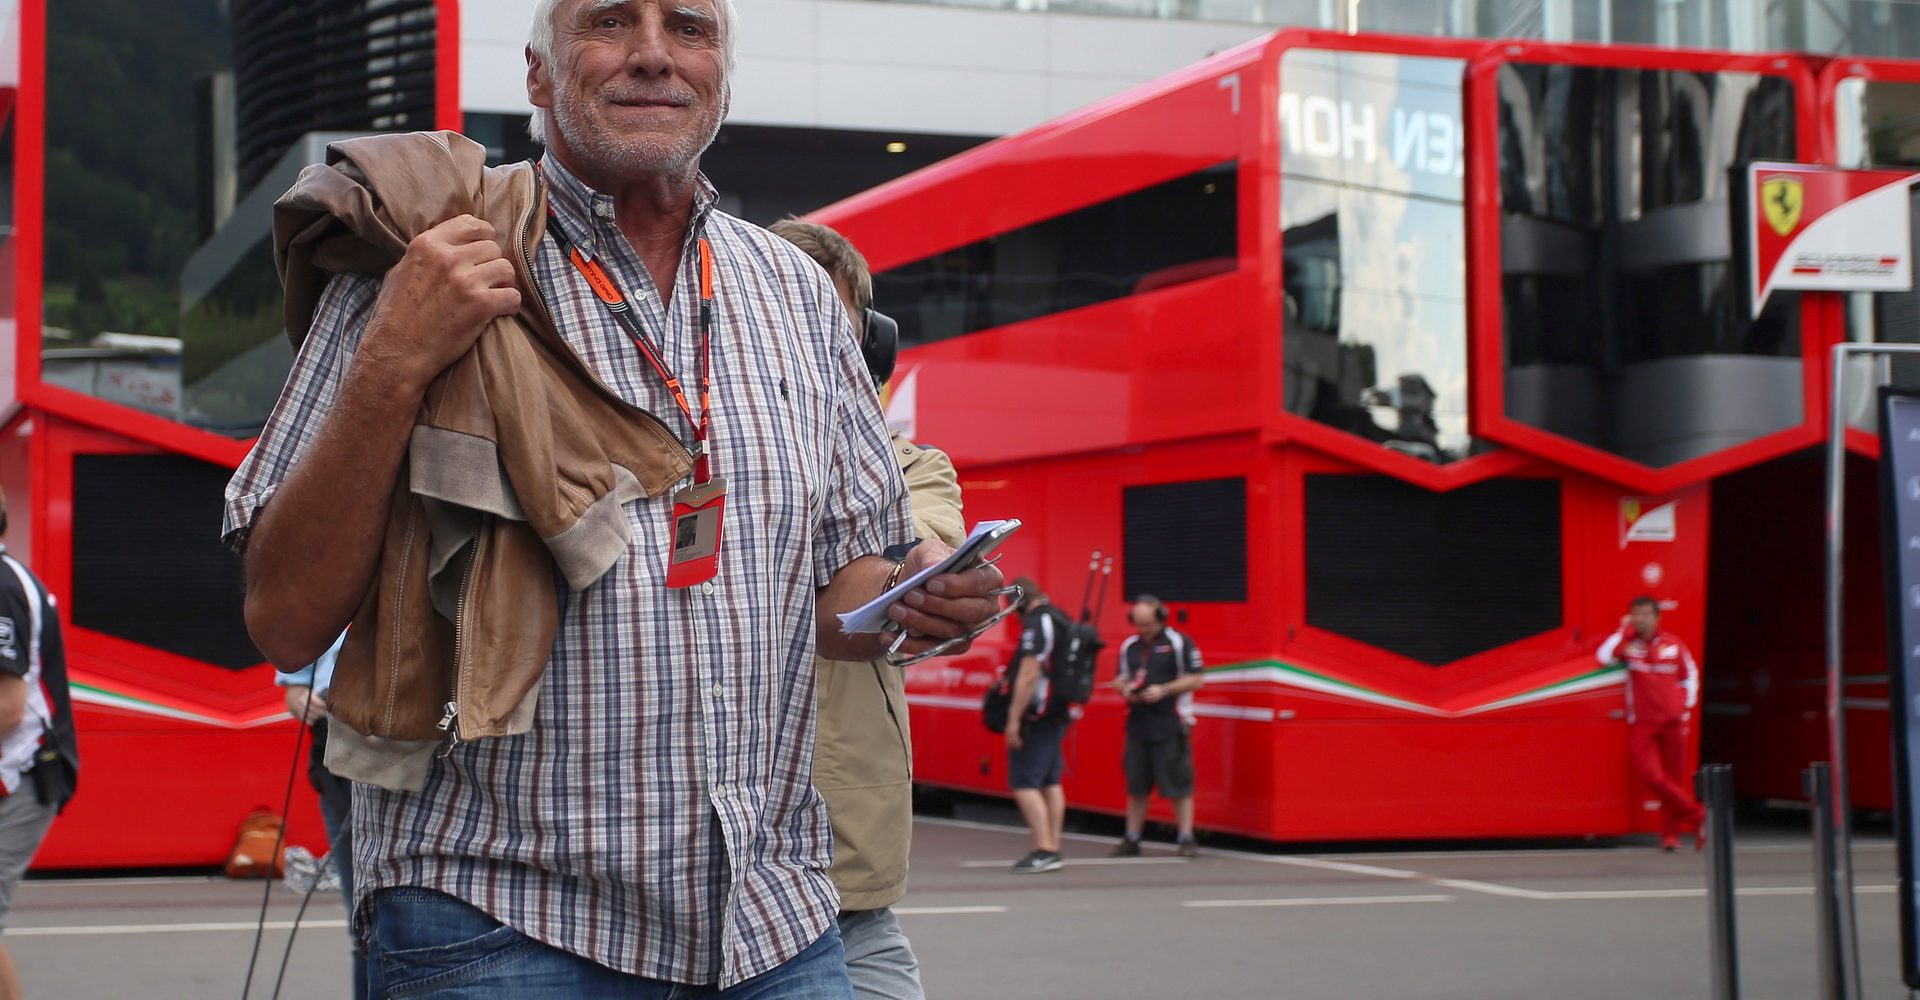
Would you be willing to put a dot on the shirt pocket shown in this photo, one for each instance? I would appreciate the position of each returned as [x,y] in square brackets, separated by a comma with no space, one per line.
[788,440]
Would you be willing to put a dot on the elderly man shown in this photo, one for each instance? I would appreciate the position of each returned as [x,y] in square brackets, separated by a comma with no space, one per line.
[638,816]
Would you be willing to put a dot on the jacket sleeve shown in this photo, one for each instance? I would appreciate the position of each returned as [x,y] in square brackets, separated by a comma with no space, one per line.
[934,491]
[1605,655]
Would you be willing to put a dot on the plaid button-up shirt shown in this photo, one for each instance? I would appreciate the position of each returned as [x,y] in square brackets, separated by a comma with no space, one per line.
[660,818]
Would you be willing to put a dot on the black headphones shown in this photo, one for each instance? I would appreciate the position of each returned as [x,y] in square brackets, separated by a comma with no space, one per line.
[880,345]
[1159,609]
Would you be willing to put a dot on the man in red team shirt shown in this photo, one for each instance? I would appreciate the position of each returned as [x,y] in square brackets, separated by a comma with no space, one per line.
[1662,686]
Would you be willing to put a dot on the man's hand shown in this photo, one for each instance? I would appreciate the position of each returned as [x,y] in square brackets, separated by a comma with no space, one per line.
[436,300]
[1120,686]
[1013,735]
[309,709]
[1152,693]
[949,605]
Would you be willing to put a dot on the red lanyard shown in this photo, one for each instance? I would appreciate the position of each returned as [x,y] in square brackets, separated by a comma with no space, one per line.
[616,303]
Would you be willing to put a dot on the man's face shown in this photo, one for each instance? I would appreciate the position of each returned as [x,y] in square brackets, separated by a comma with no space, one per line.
[1644,618]
[1145,622]
[637,87]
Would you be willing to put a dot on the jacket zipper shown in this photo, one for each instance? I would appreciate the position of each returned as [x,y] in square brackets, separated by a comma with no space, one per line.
[450,720]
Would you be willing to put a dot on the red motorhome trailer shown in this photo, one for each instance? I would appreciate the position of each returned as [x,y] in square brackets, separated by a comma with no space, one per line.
[1397,367]
[113,460]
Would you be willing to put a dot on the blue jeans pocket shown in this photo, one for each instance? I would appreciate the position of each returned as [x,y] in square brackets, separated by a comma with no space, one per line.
[428,943]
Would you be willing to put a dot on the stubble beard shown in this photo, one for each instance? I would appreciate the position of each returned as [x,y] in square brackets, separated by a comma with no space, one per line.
[608,154]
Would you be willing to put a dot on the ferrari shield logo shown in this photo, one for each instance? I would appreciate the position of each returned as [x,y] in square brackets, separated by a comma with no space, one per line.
[1782,198]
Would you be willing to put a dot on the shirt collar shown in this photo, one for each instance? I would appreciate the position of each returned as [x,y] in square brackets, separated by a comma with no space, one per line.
[578,207]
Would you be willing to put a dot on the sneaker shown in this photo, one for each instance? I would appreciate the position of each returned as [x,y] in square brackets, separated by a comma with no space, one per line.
[1669,843]
[1188,849]
[1036,862]
[1053,862]
[1126,849]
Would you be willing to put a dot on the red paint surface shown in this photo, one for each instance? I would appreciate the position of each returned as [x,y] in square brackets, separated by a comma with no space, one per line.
[1046,423]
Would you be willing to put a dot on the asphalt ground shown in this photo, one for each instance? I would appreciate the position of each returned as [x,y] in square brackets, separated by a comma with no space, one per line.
[1608,921]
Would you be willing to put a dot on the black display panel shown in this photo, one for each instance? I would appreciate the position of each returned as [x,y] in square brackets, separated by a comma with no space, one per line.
[1434,577]
[148,565]
[1186,541]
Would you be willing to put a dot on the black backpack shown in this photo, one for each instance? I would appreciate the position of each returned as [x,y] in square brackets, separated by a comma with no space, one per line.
[1075,654]
[1071,665]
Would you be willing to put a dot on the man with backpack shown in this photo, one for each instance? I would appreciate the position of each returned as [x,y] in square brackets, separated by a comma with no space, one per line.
[39,753]
[1036,725]
[1159,671]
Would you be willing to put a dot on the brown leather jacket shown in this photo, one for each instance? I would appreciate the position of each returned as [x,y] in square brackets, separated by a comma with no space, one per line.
[520,460]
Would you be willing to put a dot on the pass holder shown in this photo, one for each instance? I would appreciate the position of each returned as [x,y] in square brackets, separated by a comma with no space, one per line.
[699,514]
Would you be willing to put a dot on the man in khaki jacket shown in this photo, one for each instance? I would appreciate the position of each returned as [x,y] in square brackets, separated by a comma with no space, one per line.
[863,751]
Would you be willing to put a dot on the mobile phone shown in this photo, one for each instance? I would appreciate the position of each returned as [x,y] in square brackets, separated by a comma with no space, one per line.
[978,548]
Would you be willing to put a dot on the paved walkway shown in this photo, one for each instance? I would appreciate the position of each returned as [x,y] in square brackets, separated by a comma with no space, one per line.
[1605,922]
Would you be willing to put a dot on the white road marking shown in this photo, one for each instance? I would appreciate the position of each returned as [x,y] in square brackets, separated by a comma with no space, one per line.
[941,911]
[1490,888]
[102,929]
[1297,861]
[1585,852]
[1312,901]
[1404,874]
[1758,890]
[1077,862]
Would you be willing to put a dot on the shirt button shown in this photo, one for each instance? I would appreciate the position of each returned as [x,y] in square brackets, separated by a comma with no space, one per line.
[707,588]
[719,692]
[603,208]
[719,791]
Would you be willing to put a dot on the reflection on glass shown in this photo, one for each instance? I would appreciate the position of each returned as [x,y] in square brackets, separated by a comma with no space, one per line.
[167,138]
[1177,231]
[1373,248]
[8,247]
[1877,124]
[1627,320]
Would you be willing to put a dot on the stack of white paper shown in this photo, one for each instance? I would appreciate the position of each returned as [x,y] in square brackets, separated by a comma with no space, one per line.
[872,616]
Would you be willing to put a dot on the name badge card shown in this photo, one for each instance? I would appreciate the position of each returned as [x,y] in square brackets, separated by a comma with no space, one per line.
[699,512]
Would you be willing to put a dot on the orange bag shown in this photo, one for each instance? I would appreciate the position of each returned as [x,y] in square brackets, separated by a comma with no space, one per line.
[253,852]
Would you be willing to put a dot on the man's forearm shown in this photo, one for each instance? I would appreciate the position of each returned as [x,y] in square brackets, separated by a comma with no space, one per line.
[857,583]
[1182,685]
[312,553]
[1024,684]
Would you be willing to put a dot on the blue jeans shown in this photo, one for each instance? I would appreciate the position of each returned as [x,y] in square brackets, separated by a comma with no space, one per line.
[429,944]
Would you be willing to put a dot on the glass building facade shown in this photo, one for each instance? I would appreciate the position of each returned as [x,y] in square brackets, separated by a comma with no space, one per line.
[1853,27]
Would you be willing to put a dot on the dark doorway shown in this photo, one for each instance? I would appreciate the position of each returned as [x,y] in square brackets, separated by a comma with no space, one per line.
[1764,690]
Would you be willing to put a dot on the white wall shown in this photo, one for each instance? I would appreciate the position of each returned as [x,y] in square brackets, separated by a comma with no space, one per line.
[9,43]
[864,64]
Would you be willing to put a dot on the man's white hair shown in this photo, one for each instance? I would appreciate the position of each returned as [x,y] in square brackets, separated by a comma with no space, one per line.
[540,40]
